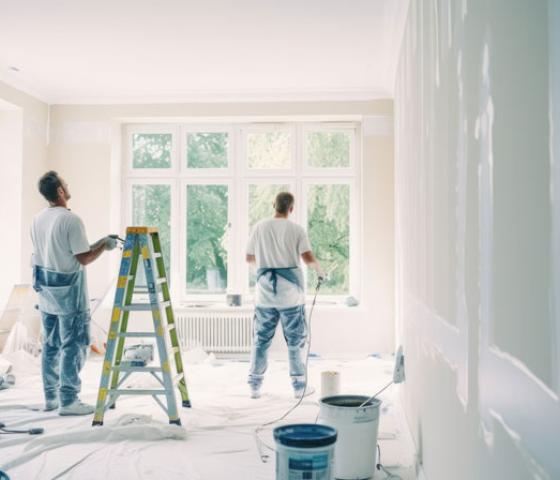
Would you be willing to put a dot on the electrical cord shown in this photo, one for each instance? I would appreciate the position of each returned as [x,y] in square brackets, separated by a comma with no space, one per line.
[260,443]
[30,431]
[379,466]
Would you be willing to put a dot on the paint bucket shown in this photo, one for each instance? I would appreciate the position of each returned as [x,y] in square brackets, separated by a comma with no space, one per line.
[356,447]
[233,300]
[330,383]
[304,452]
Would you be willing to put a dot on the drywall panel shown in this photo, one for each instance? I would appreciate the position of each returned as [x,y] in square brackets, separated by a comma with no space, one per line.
[476,112]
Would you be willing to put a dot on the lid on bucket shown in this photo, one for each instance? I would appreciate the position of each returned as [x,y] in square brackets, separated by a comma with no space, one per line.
[306,435]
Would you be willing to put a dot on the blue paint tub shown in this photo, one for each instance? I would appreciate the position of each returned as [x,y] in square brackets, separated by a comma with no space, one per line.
[305,451]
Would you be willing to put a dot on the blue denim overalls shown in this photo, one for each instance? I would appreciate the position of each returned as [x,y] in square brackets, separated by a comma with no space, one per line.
[294,328]
[64,306]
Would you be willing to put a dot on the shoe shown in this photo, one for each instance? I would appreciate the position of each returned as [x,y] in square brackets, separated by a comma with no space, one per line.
[255,393]
[76,408]
[50,405]
[299,392]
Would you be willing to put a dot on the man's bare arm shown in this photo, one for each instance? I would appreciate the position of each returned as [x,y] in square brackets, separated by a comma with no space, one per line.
[95,251]
[311,261]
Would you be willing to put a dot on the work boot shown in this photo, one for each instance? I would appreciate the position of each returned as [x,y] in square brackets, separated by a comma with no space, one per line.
[76,408]
[255,393]
[51,405]
[300,392]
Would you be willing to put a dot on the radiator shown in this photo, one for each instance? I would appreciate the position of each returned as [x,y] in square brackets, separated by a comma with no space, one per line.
[218,332]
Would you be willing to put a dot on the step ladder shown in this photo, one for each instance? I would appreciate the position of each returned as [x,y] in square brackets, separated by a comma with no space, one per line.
[142,242]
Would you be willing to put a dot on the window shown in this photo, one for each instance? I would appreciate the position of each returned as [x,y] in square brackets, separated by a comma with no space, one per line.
[328,227]
[151,205]
[206,232]
[328,149]
[207,150]
[269,149]
[151,150]
[205,186]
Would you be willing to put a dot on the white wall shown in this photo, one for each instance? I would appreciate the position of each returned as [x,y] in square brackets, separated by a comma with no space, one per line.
[11,140]
[477,112]
[85,149]
[23,158]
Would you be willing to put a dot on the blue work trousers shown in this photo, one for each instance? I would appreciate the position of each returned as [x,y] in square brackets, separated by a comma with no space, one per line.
[63,302]
[66,340]
[295,333]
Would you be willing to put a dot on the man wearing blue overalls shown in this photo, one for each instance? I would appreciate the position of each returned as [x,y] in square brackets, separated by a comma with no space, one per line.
[60,252]
[275,248]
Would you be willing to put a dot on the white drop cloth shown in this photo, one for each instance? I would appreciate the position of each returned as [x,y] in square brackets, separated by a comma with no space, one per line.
[216,441]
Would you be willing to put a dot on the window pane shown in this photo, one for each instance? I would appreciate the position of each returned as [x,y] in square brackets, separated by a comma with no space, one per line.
[269,150]
[207,226]
[328,222]
[328,149]
[151,150]
[207,150]
[261,198]
[151,207]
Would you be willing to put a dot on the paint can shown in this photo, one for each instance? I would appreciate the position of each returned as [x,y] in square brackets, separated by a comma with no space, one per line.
[330,383]
[304,452]
[357,427]
[233,300]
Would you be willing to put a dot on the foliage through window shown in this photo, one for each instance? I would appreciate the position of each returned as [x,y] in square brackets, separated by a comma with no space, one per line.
[207,226]
[207,150]
[151,150]
[328,226]
[269,150]
[151,205]
[205,205]
[328,149]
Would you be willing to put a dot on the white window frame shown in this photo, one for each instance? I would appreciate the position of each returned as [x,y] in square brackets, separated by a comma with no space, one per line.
[238,176]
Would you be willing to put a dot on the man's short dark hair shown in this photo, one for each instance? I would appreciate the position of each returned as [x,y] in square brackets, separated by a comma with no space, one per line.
[283,202]
[48,185]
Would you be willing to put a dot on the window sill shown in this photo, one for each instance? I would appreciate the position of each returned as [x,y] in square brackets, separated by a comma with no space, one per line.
[222,307]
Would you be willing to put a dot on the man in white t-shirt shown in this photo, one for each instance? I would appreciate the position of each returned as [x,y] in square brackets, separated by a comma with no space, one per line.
[275,248]
[60,251]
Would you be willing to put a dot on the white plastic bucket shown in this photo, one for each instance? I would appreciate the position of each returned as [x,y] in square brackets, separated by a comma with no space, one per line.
[330,383]
[304,452]
[356,447]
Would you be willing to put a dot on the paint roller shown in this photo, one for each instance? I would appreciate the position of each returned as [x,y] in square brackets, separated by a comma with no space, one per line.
[398,375]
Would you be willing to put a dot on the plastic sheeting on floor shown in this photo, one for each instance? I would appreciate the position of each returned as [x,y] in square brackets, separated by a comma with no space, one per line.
[217,438]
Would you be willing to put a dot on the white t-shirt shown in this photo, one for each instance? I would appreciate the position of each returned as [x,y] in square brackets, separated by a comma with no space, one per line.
[58,235]
[278,243]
